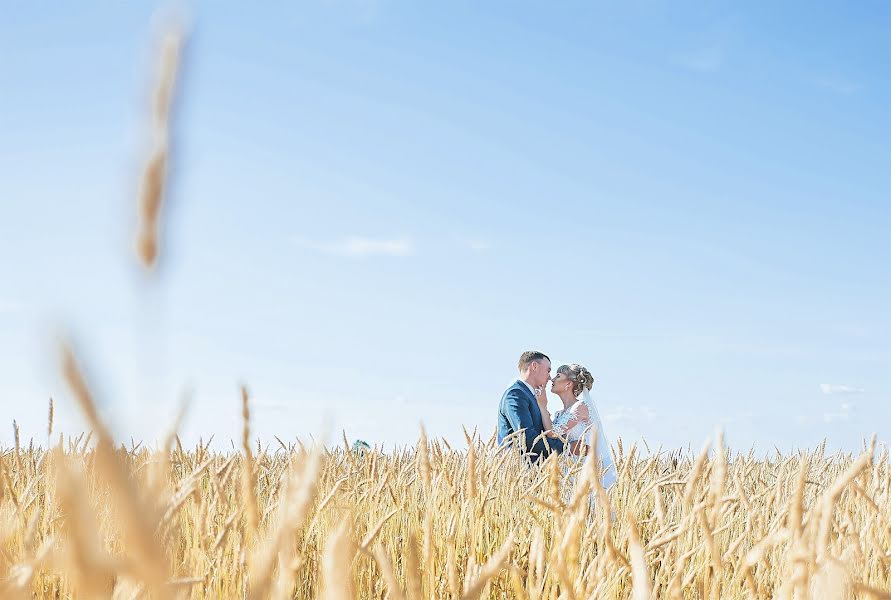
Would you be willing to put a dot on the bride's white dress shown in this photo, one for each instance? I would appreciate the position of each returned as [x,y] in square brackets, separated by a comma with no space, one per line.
[580,421]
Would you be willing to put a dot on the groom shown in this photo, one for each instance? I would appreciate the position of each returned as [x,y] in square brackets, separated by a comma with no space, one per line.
[519,408]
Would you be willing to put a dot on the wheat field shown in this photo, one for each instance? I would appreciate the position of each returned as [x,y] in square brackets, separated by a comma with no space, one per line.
[89,518]
[85,517]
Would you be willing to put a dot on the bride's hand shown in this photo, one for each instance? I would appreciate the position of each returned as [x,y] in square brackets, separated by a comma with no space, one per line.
[551,433]
[541,395]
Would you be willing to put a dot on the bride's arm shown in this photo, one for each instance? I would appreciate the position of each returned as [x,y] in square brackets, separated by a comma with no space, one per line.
[542,399]
[578,413]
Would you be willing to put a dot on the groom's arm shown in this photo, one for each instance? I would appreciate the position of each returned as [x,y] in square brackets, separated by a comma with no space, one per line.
[516,409]
[545,445]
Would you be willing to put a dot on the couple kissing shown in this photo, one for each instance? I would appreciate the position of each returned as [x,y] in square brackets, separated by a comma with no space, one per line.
[524,420]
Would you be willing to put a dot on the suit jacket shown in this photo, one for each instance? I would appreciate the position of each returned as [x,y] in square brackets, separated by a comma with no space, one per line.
[519,410]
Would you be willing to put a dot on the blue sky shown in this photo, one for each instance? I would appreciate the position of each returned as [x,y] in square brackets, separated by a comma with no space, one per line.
[376,206]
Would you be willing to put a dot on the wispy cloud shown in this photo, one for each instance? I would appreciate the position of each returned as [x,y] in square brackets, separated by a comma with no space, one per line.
[834,388]
[9,306]
[359,247]
[271,405]
[838,85]
[707,60]
[842,414]
[623,413]
[476,245]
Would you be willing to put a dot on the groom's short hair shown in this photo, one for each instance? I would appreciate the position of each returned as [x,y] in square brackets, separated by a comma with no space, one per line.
[530,356]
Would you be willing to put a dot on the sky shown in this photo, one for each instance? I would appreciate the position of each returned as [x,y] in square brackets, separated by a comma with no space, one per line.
[376,206]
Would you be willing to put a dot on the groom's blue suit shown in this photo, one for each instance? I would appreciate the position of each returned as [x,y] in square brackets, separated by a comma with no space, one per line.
[519,410]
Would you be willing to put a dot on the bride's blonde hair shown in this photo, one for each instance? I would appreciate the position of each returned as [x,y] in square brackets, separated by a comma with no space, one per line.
[580,377]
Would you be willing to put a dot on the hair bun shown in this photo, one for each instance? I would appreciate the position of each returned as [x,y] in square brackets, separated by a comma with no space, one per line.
[586,379]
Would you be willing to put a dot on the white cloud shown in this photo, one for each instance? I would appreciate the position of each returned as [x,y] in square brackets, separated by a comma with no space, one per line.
[623,413]
[9,306]
[805,419]
[477,245]
[834,388]
[838,85]
[271,405]
[617,413]
[359,247]
[842,414]
[707,60]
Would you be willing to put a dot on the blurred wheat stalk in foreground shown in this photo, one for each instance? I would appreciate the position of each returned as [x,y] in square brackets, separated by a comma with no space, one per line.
[88,518]
[153,181]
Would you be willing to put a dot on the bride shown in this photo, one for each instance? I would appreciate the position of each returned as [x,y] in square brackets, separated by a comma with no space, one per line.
[578,419]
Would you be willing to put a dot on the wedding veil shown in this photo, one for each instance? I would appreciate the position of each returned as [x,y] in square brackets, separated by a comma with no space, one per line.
[603,448]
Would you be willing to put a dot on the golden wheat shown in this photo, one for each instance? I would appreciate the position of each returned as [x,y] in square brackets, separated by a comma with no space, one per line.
[99,520]
[153,179]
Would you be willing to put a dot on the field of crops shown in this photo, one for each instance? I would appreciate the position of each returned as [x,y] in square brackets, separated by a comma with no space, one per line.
[83,516]
[90,518]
